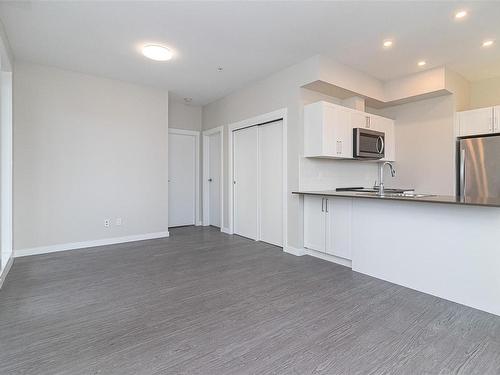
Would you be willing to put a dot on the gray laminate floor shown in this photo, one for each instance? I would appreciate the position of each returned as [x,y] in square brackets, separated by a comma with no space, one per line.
[202,302]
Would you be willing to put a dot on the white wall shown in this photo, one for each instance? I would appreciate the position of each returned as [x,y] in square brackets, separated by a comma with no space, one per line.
[485,93]
[182,115]
[425,145]
[6,167]
[86,149]
[6,77]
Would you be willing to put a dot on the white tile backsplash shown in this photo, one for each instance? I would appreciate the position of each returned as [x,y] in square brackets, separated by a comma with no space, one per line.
[327,174]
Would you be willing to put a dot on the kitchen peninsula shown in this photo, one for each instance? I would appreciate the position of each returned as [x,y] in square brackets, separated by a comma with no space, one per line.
[439,245]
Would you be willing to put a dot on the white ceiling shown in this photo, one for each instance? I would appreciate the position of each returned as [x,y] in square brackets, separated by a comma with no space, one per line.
[250,39]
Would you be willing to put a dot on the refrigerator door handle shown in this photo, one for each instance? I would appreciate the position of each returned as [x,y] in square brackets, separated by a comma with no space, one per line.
[462,172]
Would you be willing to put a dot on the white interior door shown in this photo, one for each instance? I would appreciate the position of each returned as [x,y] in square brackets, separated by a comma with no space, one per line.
[182,179]
[214,173]
[271,182]
[245,182]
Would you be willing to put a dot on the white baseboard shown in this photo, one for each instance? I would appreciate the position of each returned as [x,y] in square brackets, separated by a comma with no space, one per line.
[328,257]
[85,244]
[225,230]
[199,224]
[294,251]
[6,270]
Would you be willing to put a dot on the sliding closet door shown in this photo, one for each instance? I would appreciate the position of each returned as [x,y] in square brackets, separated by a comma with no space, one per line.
[271,182]
[245,184]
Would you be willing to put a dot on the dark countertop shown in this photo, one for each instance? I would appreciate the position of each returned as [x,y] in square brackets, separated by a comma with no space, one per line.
[444,199]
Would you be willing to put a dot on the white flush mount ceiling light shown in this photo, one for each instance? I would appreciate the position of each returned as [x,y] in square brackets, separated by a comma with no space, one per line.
[488,43]
[460,14]
[421,63]
[157,52]
[388,43]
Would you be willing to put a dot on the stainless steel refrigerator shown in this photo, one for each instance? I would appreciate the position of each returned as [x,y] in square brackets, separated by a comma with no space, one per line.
[478,166]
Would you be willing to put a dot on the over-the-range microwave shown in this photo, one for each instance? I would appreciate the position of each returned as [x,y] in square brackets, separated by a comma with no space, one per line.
[368,144]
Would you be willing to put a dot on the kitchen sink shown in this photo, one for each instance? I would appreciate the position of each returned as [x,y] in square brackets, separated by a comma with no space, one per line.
[395,195]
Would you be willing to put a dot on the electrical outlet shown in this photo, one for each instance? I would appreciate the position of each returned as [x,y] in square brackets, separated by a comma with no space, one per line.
[118,221]
[107,223]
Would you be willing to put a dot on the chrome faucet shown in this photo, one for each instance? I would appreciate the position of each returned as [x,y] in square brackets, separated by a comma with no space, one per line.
[381,176]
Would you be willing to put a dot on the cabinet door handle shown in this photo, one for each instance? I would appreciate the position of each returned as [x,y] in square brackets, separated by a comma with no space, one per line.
[322,204]
[326,199]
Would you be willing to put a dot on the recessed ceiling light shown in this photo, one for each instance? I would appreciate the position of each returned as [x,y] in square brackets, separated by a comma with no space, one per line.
[488,43]
[421,63]
[220,69]
[387,43]
[460,14]
[157,52]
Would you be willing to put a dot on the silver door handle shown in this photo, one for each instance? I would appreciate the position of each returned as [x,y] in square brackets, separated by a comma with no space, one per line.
[326,199]
[322,204]
[380,141]
[462,172]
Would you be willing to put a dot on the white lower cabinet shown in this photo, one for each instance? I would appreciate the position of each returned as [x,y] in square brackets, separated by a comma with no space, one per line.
[338,230]
[314,223]
[327,225]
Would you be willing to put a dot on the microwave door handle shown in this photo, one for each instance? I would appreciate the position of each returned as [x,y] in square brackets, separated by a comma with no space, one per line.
[380,141]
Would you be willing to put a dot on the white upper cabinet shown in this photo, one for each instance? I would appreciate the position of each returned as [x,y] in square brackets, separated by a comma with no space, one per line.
[360,119]
[328,130]
[496,119]
[479,121]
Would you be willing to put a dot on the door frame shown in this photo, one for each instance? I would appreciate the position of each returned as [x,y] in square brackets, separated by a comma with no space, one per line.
[280,114]
[196,134]
[206,166]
